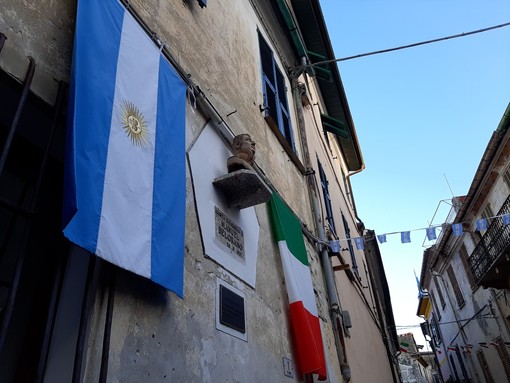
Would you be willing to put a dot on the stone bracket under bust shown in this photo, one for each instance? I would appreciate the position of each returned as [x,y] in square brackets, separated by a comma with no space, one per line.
[242,186]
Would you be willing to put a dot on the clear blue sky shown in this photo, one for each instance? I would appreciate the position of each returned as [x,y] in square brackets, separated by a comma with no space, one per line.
[420,114]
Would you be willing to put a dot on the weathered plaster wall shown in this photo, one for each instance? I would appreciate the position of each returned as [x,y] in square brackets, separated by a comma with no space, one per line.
[156,336]
[364,346]
[43,30]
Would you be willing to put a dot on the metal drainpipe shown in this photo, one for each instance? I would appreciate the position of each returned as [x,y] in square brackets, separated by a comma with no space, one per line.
[335,305]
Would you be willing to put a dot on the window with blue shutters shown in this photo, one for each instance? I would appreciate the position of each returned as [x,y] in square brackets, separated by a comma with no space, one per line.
[349,244]
[327,198]
[275,108]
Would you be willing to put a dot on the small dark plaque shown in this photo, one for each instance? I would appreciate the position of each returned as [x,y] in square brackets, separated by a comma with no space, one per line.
[232,310]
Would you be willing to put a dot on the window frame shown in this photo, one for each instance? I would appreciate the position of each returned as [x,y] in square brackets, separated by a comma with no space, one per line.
[482,360]
[327,198]
[349,244]
[455,286]
[281,118]
[463,254]
[441,297]
[504,355]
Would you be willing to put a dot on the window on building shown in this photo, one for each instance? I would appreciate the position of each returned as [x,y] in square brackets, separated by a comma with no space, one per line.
[506,176]
[487,213]
[349,243]
[455,286]
[435,332]
[276,108]
[441,297]
[327,199]
[485,367]
[347,188]
[469,273]
[505,357]
[435,304]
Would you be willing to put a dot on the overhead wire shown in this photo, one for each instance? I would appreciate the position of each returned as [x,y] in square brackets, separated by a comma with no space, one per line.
[484,316]
[406,46]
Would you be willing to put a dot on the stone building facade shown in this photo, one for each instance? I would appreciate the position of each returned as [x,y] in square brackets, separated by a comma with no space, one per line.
[66,315]
[465,275]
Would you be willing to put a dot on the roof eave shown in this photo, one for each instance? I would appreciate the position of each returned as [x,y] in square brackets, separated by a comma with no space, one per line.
[313,29]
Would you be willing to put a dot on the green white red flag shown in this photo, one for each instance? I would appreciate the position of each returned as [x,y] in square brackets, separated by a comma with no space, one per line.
[404,347]
[304,318]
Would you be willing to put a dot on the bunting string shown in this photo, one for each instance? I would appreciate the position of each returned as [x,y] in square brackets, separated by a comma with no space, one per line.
[430,231]
[466,348]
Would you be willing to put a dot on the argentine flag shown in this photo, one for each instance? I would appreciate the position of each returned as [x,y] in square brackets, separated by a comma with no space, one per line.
[125,170]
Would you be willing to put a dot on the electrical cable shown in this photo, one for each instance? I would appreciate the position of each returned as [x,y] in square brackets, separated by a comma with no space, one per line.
[406,46]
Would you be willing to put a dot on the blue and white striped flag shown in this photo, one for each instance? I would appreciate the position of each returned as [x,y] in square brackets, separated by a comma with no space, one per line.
[360,245]
[457,229]
[431,233]
[125,174]
[481,224]
[381,238]
[405,236]
[335,246]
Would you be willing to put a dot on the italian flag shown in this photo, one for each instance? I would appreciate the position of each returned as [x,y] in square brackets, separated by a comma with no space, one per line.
[404,347]
[304,318]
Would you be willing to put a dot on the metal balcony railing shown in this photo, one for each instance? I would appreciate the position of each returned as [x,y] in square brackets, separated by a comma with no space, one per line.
[493,244]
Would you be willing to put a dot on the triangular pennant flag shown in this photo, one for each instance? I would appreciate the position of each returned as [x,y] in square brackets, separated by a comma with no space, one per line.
[431,233]
[506,219]
[457,229]
[405,236]
[359,243]
[481,224]
[381,238]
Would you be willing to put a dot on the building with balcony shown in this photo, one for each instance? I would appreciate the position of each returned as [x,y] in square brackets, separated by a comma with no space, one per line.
[465,274]
[416,366]
[239,67]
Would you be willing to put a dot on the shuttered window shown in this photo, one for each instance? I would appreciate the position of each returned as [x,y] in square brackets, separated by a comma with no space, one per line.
[327,198]
[455,286]
[436,333]
[435,303]
[441,297]
[487,213]
[505,357]
[485,367]
[276,108]
[464,258]
[506,176]
[349,244]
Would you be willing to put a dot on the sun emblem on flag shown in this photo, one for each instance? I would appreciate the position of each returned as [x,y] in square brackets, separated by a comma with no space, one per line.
[134,124]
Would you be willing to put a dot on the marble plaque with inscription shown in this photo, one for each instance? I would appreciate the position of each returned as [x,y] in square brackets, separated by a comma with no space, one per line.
[228,233]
